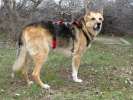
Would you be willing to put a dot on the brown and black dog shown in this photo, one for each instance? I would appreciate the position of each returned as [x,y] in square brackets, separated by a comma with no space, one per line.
[36,40]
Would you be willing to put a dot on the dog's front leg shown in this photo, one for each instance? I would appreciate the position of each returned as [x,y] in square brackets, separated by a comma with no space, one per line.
[75,67]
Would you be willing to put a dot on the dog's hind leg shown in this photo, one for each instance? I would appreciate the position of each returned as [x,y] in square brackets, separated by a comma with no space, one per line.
[39,58]
[24,71]
[21,64]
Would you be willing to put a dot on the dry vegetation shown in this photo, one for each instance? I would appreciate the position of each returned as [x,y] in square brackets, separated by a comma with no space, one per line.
[107,71]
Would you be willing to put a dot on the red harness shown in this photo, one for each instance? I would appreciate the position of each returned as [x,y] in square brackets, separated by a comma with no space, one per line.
[54,41]
[77,23]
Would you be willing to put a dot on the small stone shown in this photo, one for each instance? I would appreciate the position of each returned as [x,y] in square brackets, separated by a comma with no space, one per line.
[17,94]
[2,90]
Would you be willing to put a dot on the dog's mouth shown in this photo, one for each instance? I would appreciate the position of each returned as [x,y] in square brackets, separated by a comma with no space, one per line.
[97,27]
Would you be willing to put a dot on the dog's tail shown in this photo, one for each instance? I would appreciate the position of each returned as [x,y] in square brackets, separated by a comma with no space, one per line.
[21,56]
[19,63]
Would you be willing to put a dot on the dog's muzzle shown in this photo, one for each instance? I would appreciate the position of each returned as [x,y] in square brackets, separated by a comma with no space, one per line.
[97,27]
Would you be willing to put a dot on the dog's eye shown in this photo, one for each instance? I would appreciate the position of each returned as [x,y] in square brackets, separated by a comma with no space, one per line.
[93,18]
[100,19]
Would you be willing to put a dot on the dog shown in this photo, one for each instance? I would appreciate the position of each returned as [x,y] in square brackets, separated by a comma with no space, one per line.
[38,39]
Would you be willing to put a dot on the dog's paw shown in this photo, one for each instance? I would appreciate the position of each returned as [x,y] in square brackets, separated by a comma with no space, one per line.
[30,83]
[12,75]
[45,86]
[78,80]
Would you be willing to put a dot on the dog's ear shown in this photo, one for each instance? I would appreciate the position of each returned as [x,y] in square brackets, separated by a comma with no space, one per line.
[87,12]
[101,11]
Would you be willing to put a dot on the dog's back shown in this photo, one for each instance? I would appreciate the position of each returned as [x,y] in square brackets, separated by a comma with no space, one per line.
[36,39]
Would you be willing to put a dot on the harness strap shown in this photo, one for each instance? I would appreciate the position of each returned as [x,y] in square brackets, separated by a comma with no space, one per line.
[90,35]
[54,40]
[54,43]
[87,38]
[82,27]
[77,23]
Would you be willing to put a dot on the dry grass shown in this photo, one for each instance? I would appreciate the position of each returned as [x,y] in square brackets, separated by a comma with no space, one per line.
[107,71]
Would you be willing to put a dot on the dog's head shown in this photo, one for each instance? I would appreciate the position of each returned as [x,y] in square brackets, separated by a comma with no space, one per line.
[93,21]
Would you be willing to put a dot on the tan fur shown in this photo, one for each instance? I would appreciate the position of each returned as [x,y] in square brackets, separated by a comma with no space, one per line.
[21,60]
[37,41]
